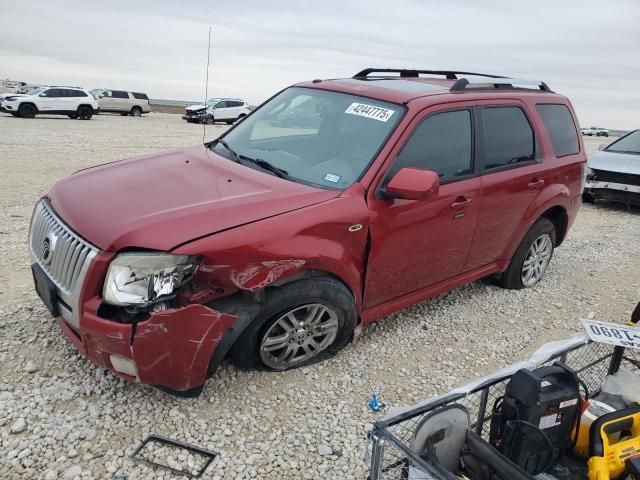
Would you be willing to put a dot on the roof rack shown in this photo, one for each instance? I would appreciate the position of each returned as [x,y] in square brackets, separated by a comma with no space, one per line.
[497,81]
[411,73]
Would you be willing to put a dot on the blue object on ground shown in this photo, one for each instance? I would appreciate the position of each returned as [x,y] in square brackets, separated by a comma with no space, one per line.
[375,404]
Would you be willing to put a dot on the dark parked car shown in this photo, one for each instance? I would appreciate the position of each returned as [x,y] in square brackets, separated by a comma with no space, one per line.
[271,245]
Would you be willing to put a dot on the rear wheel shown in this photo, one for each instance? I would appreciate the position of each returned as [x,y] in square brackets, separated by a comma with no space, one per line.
[532,257]
[27,111]
[300,323]
[136,112]
[85,113]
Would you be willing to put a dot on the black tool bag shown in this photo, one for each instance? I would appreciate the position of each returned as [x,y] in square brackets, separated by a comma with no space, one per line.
[481,461]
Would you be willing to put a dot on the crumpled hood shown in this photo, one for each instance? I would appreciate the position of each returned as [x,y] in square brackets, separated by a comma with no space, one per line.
[195,108]
[160,201]
[615,162]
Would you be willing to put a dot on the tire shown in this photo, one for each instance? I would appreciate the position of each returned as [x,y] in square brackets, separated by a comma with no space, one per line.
[298,299]
[27,111]
[85,113]
[515,276]
[136,112]
[588,198]
[73,116]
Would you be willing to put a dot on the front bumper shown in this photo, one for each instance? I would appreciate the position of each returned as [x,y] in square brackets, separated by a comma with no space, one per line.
[619,192]
[171,349]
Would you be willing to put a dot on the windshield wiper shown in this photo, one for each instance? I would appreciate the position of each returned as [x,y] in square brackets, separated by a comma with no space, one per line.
[236,157]
[266,165]
[257,161]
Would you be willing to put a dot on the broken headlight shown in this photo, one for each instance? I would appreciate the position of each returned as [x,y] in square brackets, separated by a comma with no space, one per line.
[141,279]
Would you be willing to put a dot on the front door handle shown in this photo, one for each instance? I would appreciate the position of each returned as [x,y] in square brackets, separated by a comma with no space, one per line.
[536,183]
[460,202]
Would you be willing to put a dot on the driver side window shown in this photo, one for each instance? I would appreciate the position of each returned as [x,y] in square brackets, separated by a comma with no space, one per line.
[442,143]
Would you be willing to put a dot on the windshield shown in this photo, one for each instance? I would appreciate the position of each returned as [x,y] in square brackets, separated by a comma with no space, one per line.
[628,144]
[317,137]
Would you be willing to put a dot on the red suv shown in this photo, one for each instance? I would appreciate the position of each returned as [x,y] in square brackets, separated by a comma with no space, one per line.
[332,205]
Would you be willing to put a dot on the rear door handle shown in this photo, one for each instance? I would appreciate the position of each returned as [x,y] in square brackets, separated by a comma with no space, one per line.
[460,202]
[536,183]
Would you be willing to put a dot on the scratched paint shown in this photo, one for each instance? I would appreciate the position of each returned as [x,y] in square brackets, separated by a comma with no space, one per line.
[174,346]
[255,276]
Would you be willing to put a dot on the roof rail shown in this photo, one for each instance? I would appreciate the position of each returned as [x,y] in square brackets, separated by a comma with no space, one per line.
[498,82]
[412,73]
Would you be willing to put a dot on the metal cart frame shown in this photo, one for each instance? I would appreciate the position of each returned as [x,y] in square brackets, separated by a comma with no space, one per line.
[392,457]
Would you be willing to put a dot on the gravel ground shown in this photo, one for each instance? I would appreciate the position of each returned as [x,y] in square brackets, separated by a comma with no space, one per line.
[62,417]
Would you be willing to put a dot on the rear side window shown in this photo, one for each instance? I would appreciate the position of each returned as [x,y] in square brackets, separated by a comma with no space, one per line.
[75,93]
[559,123]
[235,104]
[442,144]
[140,96]
[508,137]
[119,94]
[223,104]
[54,93]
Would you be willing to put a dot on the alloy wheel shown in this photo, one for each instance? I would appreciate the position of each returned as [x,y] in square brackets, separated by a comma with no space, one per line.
[536,260]
[298,335]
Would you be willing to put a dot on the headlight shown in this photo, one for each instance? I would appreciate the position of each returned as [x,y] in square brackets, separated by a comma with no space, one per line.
[141,279]
[588,172]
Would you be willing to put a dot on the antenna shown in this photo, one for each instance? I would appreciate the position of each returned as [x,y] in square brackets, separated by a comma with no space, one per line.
[206,87]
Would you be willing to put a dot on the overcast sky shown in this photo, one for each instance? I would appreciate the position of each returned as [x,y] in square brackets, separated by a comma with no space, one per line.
[587,50]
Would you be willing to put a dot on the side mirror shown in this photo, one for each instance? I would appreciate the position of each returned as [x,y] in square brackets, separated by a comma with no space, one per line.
[602,146]
[412,184]
[42,95]
[101,95]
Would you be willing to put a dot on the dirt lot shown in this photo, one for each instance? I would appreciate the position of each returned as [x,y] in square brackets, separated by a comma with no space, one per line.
[62,417]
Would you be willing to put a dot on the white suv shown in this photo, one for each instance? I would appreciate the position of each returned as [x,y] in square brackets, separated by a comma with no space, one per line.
[217,110]
[70,101]
[122,102]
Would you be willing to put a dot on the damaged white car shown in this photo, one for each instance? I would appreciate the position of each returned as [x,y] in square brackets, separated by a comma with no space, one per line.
[613,173]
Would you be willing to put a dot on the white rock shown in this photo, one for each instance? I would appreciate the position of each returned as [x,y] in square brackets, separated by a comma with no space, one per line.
[324,450]
[73,471]
[20,425]
[51,475]
[31,367]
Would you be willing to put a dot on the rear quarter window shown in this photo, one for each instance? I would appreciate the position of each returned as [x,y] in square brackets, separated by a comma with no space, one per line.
[140,96]
[558,121]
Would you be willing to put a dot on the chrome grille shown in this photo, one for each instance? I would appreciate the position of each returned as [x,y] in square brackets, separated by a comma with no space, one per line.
[59,251]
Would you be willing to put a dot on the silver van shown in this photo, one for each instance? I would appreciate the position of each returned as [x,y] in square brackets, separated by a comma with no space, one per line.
[122,102]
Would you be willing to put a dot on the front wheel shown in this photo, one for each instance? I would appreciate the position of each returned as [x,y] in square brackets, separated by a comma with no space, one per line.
[27,111]
[300,323]
[532,257]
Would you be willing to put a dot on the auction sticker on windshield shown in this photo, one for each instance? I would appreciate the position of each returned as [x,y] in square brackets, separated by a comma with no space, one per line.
[613,333]
[370,111]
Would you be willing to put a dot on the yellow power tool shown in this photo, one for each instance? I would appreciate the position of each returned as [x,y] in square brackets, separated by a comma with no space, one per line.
[609,458]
